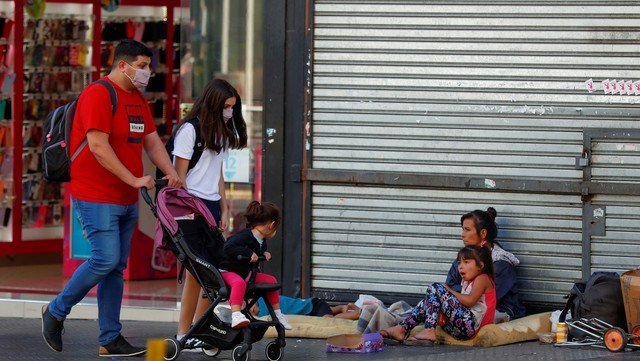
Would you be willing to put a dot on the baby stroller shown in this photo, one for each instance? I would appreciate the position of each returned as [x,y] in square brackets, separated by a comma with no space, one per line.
[190,233]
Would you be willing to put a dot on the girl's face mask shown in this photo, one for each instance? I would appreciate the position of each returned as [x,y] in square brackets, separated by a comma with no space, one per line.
[227,113]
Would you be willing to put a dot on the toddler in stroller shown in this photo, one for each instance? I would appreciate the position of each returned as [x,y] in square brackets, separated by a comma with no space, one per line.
[187,228]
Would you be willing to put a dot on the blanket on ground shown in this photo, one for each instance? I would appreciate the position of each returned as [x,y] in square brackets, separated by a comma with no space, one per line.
[315,327]
[374,318]
[523,329]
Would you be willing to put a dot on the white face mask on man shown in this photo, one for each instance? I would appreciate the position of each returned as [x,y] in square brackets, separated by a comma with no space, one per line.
[141,77]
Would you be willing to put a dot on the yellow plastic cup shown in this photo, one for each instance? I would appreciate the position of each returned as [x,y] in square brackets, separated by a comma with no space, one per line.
[156,349]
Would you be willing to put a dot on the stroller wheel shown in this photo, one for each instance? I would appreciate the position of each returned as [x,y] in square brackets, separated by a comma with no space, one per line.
[635,333]
[237,356]
[273,351]
[615,339]
[211,352]
[173,349]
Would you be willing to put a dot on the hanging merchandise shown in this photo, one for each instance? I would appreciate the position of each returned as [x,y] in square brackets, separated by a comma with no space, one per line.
[55,45]
[35,8]
[110,5]
[151,30]
[55,69]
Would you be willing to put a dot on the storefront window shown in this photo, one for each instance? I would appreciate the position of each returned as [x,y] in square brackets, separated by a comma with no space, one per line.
[224,39]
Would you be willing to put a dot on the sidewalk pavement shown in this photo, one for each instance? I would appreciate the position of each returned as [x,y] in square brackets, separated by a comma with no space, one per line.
[21,339]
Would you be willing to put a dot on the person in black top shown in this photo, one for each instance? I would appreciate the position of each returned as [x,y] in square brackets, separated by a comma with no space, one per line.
[241,250]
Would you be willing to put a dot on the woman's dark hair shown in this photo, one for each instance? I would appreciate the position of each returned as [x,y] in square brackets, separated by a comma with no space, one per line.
[129,50]
[214,131]
[484,220]
[257,214]
[482,257]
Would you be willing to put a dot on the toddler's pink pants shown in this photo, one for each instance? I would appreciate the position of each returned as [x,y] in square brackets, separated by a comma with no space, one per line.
[239,286]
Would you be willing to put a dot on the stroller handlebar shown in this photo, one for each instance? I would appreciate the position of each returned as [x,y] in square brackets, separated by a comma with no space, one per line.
[145,192]
[245,258]
[161,182]
[256,266]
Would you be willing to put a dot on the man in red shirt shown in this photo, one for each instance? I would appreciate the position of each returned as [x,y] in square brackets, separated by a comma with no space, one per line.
[105,179]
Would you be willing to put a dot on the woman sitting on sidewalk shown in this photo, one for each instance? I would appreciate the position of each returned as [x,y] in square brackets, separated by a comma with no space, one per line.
[479,228]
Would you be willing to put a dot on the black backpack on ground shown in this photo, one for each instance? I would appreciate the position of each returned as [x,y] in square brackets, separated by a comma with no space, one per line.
[600,297]
[56,161]
[198,147]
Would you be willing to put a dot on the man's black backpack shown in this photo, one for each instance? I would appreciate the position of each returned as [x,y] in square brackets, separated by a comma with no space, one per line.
[56,161]
[198,147]
[600,297]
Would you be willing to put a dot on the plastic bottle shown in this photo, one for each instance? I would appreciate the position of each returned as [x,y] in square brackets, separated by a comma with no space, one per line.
[562,332]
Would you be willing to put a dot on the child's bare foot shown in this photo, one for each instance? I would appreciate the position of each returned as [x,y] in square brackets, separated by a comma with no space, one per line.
[351,315]
[396,333]
[428,334]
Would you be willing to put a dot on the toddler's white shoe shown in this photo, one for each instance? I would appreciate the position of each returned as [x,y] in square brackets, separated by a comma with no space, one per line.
[238,320]
[283,321]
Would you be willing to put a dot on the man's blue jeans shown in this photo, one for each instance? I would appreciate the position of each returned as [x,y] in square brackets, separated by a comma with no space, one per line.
[109,228]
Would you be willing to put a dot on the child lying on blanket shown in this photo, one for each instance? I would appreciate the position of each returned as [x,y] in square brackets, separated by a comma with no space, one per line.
[309,307]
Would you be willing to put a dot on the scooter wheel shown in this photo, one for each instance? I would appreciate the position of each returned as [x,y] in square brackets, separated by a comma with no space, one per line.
[273,351]
[635,332]
[615,339]
[238,355]
[173,349]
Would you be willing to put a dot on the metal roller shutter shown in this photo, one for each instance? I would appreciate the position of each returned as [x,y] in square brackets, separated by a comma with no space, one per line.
[380,239]
[491,89]
[615,161]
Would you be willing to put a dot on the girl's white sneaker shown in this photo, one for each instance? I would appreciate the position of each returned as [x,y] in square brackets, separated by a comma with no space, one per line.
[238,320]
[284,322]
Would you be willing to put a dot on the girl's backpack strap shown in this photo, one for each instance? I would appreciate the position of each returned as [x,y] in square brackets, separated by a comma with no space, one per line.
[198,146]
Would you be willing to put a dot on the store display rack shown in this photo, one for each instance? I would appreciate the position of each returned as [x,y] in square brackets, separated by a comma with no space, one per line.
[51,60]
[7,79]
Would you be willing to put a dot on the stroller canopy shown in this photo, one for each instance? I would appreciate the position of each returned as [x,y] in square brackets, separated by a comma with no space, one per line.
[176,202]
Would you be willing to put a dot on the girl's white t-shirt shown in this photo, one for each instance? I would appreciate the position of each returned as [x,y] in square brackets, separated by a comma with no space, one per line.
[204,177]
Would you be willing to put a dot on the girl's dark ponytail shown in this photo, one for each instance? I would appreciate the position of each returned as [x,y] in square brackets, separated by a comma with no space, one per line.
[492,213]
[260,213]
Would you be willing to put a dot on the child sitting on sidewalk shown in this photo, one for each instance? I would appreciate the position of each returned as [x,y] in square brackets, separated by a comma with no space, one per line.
[464,312]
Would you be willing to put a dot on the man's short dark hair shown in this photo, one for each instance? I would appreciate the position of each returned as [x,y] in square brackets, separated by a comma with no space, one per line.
[129,50]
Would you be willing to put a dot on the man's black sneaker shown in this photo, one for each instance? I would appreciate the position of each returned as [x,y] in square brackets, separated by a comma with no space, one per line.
[119,347]
[52,329]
